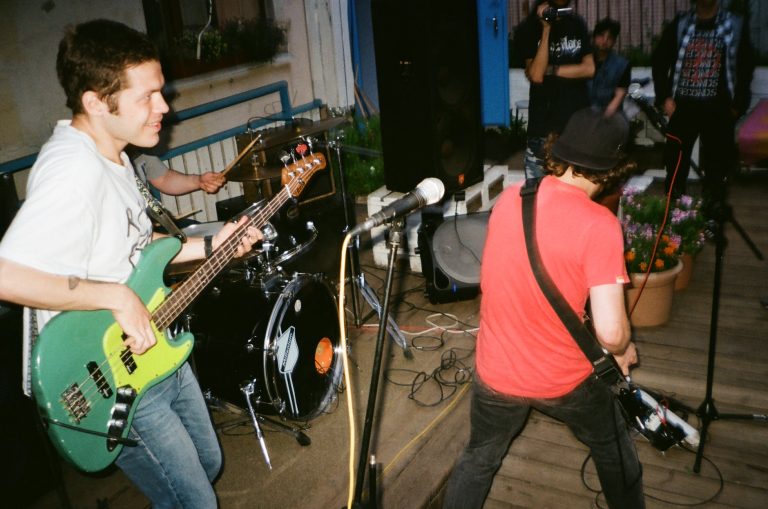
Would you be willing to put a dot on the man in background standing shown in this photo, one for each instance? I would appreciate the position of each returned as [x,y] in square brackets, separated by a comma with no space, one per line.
[702,71]
[557,52]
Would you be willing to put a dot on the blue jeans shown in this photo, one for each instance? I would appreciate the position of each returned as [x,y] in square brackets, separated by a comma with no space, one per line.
[534,157]
[591,413]
[178,454]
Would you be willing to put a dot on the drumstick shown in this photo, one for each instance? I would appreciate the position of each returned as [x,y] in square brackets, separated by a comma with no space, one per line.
[184,216]
[240,155]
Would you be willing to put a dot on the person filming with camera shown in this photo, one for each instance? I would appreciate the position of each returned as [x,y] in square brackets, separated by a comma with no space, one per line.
[556,47]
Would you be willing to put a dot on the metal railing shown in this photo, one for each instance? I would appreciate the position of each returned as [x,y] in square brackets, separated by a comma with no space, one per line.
[209,153]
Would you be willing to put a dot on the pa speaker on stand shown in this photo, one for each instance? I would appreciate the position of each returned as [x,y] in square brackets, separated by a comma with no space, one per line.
[429,92]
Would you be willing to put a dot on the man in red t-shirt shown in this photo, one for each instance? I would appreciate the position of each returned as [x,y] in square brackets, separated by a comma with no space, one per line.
[525,356]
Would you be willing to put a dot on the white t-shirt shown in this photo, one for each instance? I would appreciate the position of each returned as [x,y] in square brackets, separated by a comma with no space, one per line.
[83,216]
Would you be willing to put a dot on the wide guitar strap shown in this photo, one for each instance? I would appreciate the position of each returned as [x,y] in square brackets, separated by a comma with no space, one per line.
[604,365]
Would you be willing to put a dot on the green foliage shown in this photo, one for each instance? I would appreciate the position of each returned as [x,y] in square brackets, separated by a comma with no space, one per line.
[364,173]
[256,40]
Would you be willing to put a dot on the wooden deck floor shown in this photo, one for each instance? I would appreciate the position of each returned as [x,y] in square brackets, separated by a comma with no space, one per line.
[416,444]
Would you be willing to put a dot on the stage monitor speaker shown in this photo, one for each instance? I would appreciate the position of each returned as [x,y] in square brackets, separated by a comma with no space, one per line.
[450,251]
[429,92]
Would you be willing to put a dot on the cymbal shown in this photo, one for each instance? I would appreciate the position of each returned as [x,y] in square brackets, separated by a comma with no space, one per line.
[275,136]
[245,171]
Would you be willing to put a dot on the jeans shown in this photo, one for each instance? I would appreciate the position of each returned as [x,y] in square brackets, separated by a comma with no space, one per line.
[591,413]
[534,157]
[178,454]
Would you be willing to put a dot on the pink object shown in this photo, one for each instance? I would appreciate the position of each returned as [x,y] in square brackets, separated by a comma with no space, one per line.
[753,134]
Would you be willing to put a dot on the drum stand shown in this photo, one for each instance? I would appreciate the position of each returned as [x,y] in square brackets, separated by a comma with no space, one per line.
[356,275]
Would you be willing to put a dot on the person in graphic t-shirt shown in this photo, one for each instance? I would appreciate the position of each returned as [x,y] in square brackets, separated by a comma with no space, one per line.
[558,62]
[702,70]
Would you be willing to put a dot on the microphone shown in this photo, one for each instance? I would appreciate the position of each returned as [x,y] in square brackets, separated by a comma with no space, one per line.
[654,115]
[429,191]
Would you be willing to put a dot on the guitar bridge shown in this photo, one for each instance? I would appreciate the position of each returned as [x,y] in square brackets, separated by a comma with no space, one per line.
[75,403]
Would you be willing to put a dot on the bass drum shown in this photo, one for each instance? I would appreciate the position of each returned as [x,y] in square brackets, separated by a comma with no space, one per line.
[283,339]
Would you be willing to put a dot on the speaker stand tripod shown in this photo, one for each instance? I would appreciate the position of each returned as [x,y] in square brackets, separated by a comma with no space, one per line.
[707,412]
[359,285]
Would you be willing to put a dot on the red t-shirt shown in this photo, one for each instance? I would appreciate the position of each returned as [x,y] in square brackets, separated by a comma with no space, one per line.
[523,348]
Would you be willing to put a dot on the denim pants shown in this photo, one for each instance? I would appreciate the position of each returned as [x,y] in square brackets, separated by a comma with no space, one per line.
[533,161]
[591,413]
[178,454]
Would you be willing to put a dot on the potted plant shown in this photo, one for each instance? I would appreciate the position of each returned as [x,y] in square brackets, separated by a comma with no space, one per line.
[652,257]
[688,223]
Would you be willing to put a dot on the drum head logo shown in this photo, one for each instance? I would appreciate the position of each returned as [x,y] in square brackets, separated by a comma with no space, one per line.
[288,354]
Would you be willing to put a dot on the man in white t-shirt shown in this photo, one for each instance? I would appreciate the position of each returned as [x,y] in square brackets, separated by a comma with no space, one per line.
[81,231]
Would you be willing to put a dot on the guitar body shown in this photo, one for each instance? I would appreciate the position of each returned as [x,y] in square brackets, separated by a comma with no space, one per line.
[83,377]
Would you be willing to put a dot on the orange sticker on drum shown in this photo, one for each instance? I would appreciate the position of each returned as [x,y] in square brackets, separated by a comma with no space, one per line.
[323,356]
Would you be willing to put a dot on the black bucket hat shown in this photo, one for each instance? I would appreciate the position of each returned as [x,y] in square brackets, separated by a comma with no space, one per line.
[592,141]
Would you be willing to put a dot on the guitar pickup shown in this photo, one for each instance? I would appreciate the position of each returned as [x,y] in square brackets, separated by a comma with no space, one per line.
[98,378]
[128,361]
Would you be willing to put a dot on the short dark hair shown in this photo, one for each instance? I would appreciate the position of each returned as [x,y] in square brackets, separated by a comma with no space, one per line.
[613,26]
[95,55]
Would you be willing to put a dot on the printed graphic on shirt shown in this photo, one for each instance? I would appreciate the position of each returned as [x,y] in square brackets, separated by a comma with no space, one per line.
[701,67]
[142,238]
[565,49]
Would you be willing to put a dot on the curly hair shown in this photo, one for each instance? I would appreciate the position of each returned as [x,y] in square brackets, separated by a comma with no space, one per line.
[608,179]
[95,55]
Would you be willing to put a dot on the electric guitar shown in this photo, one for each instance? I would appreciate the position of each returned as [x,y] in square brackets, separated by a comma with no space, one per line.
[87,384]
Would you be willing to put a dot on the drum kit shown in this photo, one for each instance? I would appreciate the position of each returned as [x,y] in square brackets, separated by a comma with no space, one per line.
[267,342]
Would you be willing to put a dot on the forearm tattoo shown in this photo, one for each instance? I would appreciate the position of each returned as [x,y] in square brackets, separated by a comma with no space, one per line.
[73,282]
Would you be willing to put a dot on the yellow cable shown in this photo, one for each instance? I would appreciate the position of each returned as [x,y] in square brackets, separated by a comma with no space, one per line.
[347,380]
[428,427]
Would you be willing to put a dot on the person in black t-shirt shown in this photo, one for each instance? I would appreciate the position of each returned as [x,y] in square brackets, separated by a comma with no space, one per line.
[558,62]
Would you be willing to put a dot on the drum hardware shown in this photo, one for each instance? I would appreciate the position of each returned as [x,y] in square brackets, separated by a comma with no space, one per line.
[248,391]
[356,276]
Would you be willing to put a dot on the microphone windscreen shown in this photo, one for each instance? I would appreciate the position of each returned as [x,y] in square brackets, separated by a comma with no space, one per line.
[432,189]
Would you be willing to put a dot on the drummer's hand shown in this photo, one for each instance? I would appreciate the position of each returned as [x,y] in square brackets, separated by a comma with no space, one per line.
[252,236]
[211,182]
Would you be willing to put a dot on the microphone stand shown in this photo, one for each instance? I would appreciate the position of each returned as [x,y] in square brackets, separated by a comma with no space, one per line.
[395,234]
[722,212]
[707,411]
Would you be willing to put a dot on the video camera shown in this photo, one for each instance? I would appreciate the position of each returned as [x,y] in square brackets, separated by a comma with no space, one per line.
[551,14]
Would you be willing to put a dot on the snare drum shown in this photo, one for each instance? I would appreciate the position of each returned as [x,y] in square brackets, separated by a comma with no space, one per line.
[284,338]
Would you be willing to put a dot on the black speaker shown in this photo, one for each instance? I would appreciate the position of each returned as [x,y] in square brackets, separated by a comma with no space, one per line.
[429,91]
[450,251]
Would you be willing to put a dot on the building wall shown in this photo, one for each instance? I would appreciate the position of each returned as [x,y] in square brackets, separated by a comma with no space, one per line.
[31,99]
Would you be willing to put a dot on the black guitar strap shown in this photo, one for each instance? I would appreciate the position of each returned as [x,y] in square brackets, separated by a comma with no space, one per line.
[604,366]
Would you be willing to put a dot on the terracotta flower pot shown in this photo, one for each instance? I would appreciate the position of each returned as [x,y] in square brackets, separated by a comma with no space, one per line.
[684,277]
[655,304]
